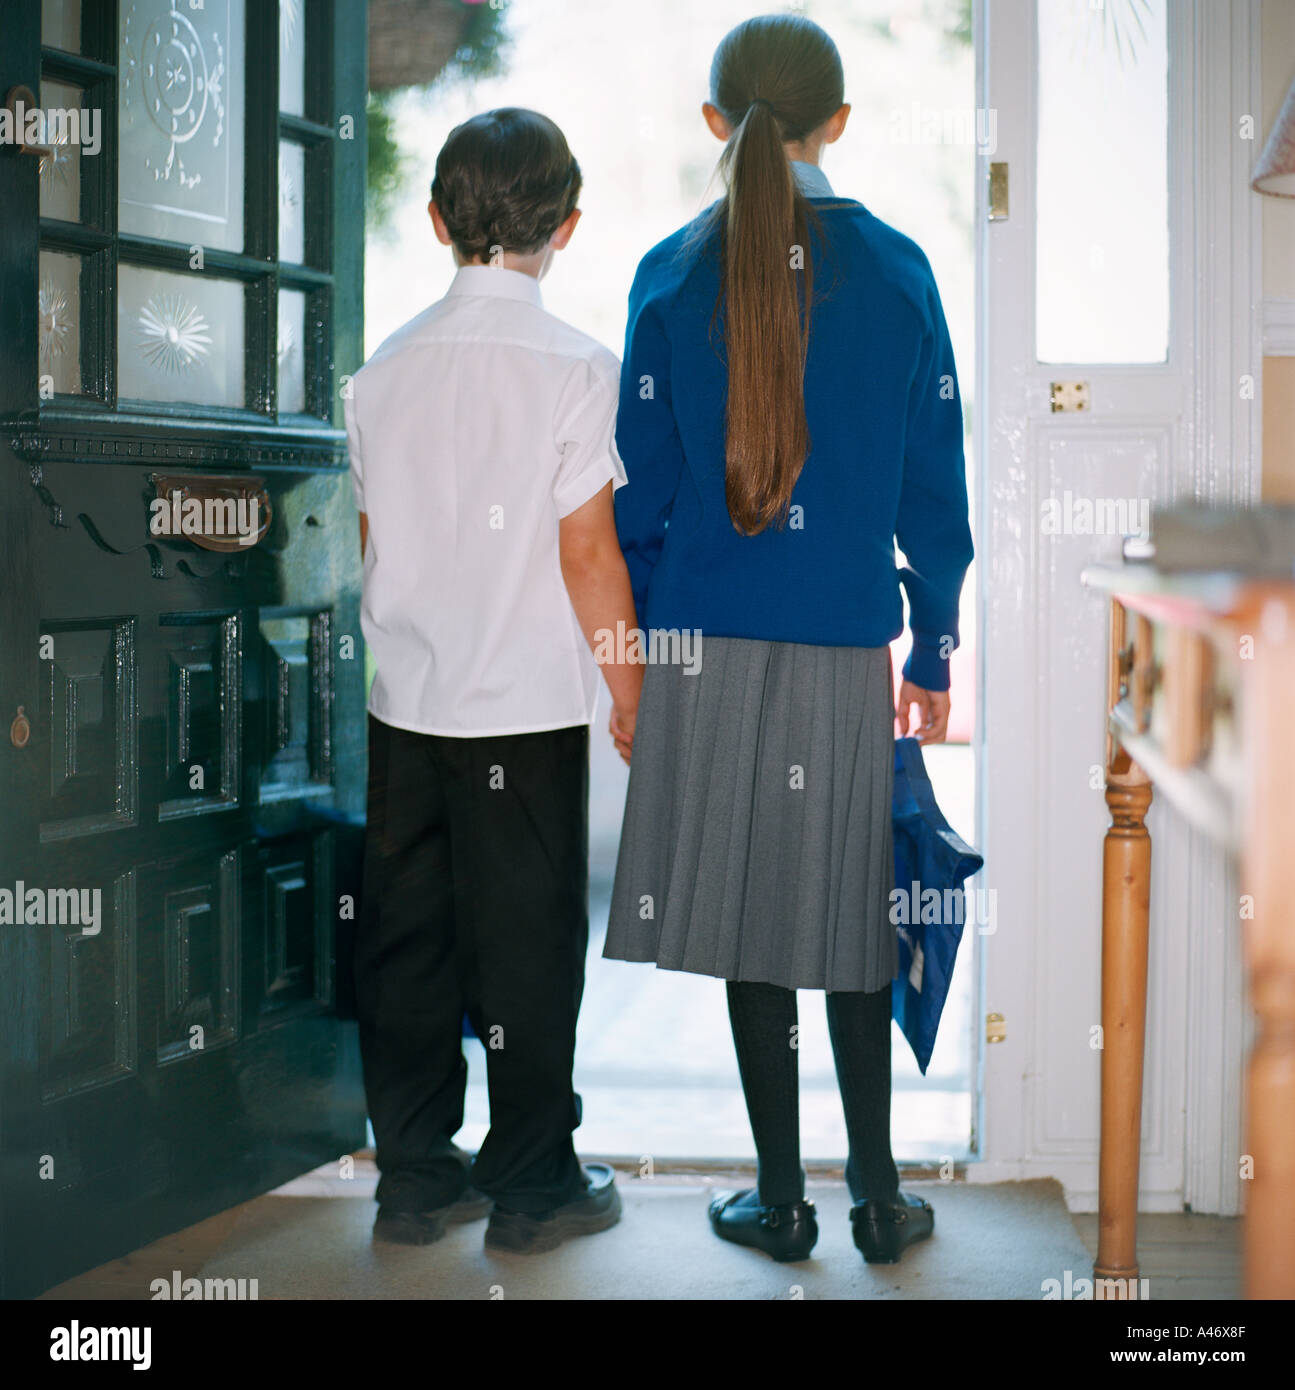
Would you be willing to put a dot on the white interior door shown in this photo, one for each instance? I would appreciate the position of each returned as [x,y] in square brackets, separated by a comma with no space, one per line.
[1102,392]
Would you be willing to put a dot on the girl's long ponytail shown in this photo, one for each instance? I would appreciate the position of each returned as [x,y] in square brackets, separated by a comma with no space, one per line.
[766,338]
[776,79]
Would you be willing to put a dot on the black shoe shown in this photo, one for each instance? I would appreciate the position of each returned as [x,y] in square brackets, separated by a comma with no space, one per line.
[788,1233]
[884,1230]
[529,1233]
[424,1227]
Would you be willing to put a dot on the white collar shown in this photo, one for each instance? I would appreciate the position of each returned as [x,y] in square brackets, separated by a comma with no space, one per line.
[811,180]
[497,281]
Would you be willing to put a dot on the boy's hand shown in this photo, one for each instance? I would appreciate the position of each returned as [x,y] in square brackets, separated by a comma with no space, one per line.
[933,712]
[622,730]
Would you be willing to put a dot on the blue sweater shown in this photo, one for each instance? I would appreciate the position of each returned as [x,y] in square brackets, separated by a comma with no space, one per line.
[885,461]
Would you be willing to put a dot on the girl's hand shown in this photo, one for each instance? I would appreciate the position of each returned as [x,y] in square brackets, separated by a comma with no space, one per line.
[622,730]
[933,712]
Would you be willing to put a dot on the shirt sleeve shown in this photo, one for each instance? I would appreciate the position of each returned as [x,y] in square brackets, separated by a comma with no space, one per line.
[353,447]
[586,439]
[932,526]
[648,437]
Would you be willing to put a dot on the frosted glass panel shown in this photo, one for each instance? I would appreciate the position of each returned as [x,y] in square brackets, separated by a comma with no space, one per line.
[60,24]
[292,186]
[60,169]
[58,315]
[292,352]
[1103,190]
[292,57]
[179,337]
[181,121]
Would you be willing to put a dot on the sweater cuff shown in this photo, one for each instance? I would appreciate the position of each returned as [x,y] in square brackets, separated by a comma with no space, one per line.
[925,666]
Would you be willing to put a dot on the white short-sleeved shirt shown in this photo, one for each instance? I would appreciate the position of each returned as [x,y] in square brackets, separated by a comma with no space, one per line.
[472,430]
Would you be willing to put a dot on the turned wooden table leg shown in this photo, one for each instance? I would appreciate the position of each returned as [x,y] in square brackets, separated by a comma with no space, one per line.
[1268,882]
[1126,899]
[1270,1138]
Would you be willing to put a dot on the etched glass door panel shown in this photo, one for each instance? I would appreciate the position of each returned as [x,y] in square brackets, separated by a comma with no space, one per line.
[60,165]
[58,308]
[180,107]
[292,352]
[292,58]
[179,337]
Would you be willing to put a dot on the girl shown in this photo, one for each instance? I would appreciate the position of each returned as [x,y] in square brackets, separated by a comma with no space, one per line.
[789,408]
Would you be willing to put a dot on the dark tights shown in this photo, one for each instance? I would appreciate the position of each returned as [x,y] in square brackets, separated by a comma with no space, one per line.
[763,1018]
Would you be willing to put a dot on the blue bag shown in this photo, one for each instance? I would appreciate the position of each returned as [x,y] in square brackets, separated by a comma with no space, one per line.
[929,854]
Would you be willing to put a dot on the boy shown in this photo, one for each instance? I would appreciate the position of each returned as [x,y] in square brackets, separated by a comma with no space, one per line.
[483,458]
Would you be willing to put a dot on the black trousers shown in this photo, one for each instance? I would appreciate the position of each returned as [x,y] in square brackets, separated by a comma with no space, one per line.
[474,900]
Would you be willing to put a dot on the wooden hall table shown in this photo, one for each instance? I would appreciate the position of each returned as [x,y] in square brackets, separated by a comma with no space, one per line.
[1201,703]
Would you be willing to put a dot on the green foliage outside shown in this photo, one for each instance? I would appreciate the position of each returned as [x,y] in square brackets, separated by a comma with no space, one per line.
[479,54]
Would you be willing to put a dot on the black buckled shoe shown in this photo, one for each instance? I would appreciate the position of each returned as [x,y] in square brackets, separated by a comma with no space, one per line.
[425,1227]
[884,1230]
[787,1233]
[529,1233]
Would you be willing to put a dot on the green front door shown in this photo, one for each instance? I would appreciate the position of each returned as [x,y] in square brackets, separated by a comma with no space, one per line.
[180,791]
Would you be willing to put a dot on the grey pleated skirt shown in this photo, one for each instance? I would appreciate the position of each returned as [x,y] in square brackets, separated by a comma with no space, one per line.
[757,836]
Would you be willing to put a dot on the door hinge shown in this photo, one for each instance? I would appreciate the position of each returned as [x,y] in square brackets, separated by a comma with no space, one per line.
[998,192]
[1069,395]
[995,1028]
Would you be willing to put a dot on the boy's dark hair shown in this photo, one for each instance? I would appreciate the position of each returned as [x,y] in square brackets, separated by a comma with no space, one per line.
[505,179]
